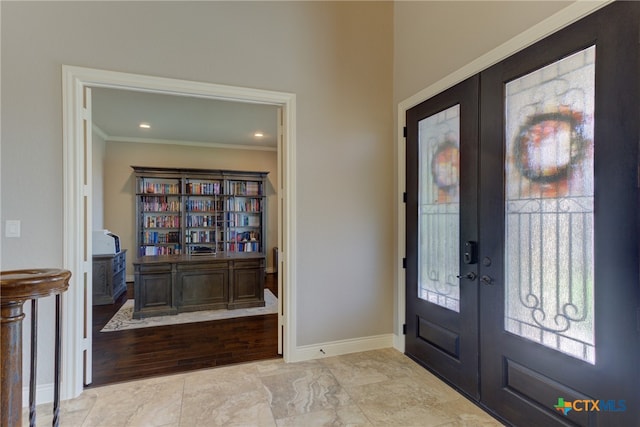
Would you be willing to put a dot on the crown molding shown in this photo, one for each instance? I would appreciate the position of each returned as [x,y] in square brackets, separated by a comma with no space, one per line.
[107,138]
[122,139]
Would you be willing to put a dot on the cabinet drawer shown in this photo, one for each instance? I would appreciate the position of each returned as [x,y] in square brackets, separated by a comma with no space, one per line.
[119,262]
[202,266]
[248,263]
[119,284]
[153,268]
[117,265]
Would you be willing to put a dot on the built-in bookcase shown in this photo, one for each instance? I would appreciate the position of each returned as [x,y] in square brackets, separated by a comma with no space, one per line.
[199,211]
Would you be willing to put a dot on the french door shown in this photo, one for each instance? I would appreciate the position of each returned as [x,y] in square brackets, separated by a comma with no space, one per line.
[522,229]
[442,163]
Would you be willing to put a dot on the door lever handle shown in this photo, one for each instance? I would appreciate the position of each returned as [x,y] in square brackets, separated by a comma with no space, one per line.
[470,275]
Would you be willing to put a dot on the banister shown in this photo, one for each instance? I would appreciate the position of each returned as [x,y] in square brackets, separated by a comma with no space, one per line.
[17,287]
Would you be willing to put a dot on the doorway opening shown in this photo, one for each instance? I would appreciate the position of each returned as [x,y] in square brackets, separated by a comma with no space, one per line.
[77,83]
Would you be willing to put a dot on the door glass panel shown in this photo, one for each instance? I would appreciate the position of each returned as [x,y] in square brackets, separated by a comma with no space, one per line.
[439,208]
[549,269]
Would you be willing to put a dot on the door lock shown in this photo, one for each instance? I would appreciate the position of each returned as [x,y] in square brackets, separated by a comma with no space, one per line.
[469,255]
[486,280]
[470,275]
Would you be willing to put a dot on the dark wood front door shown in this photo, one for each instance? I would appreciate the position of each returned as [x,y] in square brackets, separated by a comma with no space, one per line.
[556,290]
[442,309]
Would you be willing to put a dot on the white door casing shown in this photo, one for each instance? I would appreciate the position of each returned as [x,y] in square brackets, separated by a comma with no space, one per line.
[77,202]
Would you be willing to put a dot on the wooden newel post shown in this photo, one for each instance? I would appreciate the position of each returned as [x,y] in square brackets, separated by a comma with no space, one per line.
[17,287]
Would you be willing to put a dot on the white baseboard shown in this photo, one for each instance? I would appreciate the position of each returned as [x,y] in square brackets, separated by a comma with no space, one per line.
[44,394]
[337,348]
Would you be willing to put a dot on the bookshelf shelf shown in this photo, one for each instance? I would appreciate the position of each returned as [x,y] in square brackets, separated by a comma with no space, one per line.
[194,211]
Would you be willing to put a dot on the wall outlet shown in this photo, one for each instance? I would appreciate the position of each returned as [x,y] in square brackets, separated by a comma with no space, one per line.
[12,228]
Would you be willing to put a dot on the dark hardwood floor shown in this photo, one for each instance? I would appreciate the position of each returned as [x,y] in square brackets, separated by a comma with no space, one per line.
[143,353]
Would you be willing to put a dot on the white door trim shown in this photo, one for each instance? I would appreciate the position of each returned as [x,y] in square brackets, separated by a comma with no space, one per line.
[76,164]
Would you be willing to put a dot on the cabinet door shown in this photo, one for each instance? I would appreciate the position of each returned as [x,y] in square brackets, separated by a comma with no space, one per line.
[247,288]
[102,275]
[153,292]
[119,274]
[203,289]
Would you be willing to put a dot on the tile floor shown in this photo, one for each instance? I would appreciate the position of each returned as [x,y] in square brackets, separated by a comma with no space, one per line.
[374,388]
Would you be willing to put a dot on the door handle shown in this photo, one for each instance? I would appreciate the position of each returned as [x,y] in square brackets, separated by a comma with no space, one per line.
[470,275]
[486,280]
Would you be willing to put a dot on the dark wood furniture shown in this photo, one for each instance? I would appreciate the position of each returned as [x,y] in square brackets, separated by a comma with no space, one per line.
[109,277]
[17,287]
[195,211]
[171,284]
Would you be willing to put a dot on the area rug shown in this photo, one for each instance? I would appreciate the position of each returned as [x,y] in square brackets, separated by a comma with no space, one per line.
[124,320]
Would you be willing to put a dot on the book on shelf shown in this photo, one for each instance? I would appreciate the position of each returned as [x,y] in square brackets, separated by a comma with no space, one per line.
[245,188]
[201,237]
[204,188]
[160,250]
[149,187]
[203,205]
[162,221]
[160,204]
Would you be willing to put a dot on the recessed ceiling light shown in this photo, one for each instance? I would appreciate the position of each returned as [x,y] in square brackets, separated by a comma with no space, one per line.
[145,126]
[258,134]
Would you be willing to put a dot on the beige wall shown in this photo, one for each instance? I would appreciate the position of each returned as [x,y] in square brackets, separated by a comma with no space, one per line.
[435,38]
[119,200]
[337,57]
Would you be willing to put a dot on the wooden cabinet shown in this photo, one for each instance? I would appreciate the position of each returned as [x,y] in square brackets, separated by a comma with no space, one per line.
[109,277]
[177,283]
[199,211]
[247,283]
[203,285]
[153,290]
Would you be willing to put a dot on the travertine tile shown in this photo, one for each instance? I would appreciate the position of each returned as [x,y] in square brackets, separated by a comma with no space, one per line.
[226,396]
[301,391]
[44,415]
[73,412]
[219,409]
[228,380]
[401,402]
[466,414]
[348,416]
[154,402]
[277,366]
[374,388]
[368,367]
